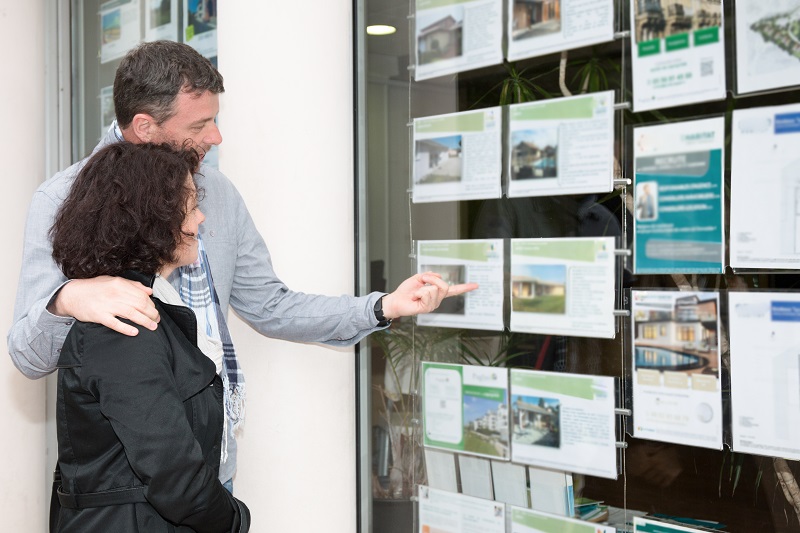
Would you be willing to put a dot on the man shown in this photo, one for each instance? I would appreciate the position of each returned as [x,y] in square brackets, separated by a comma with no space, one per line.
[167,92]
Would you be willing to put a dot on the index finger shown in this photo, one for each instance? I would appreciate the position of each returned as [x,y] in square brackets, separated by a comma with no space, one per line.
[461,288]
[432,278]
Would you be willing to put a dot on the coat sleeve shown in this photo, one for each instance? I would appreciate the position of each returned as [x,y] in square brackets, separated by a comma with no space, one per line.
[133,381]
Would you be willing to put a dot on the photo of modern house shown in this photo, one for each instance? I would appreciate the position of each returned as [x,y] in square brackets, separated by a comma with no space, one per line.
[537,421]
[112,27]
[534,154]
[106,110]
[453,275]
[539,289]
[707,13]
[485,426]
[442,38]
[160,13]
[202,15]
[532,18]
[437,160]
[656,19]
[678,336]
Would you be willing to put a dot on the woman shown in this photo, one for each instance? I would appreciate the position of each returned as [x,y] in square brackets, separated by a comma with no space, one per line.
[139,419]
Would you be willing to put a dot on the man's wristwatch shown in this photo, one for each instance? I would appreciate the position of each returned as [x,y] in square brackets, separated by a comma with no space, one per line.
[379,316]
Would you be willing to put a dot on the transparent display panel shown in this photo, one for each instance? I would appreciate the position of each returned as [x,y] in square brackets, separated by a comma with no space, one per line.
[726,485]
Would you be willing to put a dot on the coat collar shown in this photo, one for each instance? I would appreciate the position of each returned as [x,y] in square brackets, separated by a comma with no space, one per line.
[145,279]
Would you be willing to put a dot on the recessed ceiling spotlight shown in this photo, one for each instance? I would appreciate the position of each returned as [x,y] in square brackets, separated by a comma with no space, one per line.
[380,29]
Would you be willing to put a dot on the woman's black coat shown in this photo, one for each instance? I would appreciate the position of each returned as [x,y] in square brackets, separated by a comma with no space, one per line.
[140,421]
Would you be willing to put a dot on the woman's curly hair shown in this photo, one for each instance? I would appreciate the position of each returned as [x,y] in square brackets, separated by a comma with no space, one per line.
[124,211]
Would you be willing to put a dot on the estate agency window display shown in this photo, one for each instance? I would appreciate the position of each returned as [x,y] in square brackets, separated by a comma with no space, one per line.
[617,177]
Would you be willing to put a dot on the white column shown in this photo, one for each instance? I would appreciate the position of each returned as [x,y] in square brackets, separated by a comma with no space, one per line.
[286,120]
[22,402]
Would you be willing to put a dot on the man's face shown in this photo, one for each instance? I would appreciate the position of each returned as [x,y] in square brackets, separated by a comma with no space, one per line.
[193,120]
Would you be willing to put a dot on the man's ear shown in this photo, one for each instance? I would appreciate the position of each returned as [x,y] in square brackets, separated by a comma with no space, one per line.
[142,128]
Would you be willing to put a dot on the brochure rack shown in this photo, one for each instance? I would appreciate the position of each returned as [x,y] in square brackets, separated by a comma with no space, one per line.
[686,437]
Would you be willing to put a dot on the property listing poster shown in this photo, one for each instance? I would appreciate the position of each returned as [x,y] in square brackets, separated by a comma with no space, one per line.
[528,521]
[765,187]
[539,28]
[457,35]
[645,525]
[106,109]
[200,26]
[458,156]
[678,197]
[767,44]
[119,28]
[465,409]
[676,371]
[562,146]
[563,286]
[446,512]
[468,261]
[678,53]
[161,20]
[564,422]
[765,373]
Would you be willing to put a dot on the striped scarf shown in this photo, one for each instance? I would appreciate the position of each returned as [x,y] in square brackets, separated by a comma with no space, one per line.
[197,291]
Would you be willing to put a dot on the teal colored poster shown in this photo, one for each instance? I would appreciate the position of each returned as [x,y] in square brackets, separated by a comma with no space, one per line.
[678,198]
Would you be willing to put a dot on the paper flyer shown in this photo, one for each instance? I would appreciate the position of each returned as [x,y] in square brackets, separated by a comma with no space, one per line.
[467,261]
[458,156]
[677,396]
[645,525]
[564,422]
[678,53]
[161,20]
[445,512]
[765,373]
[767,44]
[539,28]
[465,409]
[119,28]
[510,483]
[106,109]
[679,198]
[440,470]
[457,35]
[765,187]
[563,286]
[529,521]
[561,146]
[476,477]
[552,491]
[200,26]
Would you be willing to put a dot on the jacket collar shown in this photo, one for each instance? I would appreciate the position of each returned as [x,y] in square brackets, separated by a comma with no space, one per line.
[145,279]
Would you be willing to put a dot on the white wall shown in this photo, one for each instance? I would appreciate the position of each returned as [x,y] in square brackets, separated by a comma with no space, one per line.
[286,120]
[22,402]
[287,123]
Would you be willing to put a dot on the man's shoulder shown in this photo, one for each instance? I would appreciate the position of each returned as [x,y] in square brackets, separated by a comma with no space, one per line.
[217,187]
[58,185]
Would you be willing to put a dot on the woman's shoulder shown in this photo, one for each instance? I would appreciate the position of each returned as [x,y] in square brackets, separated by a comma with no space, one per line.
[98,344]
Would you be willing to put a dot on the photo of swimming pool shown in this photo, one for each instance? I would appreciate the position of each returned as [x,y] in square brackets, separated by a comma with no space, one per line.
[664,359]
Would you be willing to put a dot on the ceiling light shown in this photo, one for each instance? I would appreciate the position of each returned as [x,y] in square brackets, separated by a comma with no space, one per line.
[380,29]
